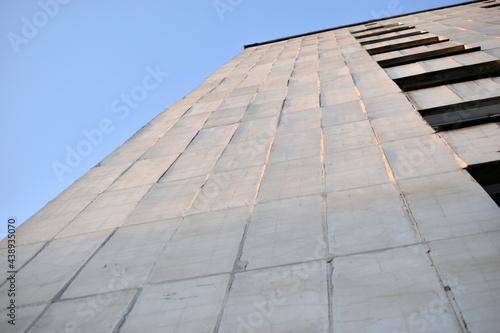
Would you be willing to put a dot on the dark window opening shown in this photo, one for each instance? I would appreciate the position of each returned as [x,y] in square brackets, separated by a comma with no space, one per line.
[415,33]
[384,32]
[492,6]
[377,27]
[407,45]
[466,114]
[429,55]
[488,176]
[449,76]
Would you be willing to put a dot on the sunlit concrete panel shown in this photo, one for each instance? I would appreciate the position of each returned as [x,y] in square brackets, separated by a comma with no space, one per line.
[368,218]
[342,114]
[477,144]
[244,154]
[400,126]
[449,205]
[355,168]
[194,163]
[290,179]
[471,268]
[391,291]
[296,145]
[228,189]
[420,156]
[283,232]
[348,136]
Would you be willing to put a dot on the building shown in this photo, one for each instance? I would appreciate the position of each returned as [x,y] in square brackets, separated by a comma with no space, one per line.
[338,181]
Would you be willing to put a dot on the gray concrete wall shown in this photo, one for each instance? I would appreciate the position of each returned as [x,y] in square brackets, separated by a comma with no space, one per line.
[297,189]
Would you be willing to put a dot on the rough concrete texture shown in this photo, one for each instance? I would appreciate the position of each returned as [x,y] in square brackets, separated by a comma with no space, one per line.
[297,189]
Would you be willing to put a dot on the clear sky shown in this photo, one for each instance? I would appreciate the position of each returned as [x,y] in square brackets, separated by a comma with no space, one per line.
[65,65]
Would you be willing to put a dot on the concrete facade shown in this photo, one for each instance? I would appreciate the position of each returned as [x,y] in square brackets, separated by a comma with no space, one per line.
[297,189]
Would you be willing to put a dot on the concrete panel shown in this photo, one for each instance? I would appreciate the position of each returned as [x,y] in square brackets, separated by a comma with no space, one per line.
[296,145]
[256,111]
[118,267]
[184,306]
[49,271]
[477,144]
[300,121]
[255,129]
[170,144]
[471,269]
[205,244]
[387,105]
[278,300]
[401,126]
[391,291]
[212,137]
[189,124]
[420,156]
[368,218]
[194,163]
[225,117]
[355,168]
[90,314]
[342,114]
[23,253]
[228,189]
[245,154]
[135,176]
[290,179]
[449,205]
[284,232]
[24,318]
[94,181]
[348,136]
[301,103]
[338,96]
[60,214]
[433,97]
[166,200]
[108,211]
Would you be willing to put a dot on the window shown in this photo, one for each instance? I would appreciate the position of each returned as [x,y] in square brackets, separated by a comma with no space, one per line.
[448,76]
[428,55]
[488,176]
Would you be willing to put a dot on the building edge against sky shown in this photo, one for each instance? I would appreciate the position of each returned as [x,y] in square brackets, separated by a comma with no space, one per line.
[340,181]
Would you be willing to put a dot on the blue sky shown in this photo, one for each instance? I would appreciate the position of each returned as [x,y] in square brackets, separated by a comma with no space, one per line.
[66,66]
